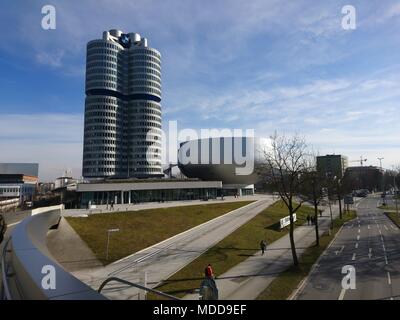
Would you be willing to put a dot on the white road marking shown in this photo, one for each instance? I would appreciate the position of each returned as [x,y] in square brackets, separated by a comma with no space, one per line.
[354,257]
[370,253]
[381,238]
[393,227]
[389,279]
[369,227]
[13,224]
[339,251]
[380,232]
[356,245]
[359,230]
[358,237]
[386,260]
[383,246]
[386,227]
[342,293]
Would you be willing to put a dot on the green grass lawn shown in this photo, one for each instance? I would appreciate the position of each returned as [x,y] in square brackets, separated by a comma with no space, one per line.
[143,228]
[282,286]
[235,248]
[389,207]
[394,217]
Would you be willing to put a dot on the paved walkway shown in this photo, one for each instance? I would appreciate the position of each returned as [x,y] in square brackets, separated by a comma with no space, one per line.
[154,205]
[67,247]
[164,259]
[249,278]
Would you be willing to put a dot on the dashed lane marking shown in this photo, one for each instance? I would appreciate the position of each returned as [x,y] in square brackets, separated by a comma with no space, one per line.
[342,293]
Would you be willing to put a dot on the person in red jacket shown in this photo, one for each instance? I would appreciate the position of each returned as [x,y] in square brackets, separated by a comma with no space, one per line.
[209,272]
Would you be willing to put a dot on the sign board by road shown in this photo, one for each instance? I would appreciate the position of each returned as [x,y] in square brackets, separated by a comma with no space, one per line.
[348,200]
[286,221]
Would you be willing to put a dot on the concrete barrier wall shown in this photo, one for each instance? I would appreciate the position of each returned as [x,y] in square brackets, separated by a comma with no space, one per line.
[29,257]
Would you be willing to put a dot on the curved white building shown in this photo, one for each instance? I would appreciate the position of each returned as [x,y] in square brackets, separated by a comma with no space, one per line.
[122,135]
[231,160]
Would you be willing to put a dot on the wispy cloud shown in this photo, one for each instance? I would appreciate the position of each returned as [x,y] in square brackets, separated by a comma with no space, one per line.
[260,64]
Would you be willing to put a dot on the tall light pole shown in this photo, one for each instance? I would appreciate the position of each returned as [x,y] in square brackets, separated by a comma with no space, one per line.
[328,175]
[380,162]
[108,239]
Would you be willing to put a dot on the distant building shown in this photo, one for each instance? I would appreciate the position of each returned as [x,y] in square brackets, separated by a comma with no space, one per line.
[45,187]
[365,177]
[18,180]
[28,169]
[19,186]
[62,182]
[332,164]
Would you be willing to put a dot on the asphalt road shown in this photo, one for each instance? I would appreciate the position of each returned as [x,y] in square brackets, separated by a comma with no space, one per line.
[369,243]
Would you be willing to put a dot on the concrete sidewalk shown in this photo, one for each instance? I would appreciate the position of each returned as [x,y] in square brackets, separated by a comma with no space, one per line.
[67,247]
[251,277]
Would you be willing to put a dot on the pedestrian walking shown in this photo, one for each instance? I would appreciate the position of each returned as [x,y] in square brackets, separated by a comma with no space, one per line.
[208,287]
[308,219]
[263,246]
[112,205]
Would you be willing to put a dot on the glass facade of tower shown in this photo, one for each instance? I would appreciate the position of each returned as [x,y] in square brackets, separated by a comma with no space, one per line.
[122,135]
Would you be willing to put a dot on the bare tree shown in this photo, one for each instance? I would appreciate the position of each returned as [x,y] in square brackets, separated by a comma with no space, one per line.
[312,190]
[284,169]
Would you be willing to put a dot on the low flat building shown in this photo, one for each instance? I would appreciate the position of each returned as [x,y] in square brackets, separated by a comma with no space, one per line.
[19,186]
[149,190]
[18,180]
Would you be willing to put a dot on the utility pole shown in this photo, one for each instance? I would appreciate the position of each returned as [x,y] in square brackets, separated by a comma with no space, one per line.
[108,240]
[328,175]
[380,162]
[339,193]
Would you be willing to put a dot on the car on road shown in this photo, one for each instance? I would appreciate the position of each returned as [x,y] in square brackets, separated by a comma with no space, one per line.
[362,193]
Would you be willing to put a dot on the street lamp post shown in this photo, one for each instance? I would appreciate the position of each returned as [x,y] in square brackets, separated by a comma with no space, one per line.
[108,239]
[380,163]
[328,175]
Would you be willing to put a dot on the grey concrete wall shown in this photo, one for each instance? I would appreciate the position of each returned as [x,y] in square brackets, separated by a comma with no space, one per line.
[30,254]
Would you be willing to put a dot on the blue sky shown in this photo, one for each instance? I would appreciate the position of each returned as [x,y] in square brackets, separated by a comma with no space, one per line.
[268,65]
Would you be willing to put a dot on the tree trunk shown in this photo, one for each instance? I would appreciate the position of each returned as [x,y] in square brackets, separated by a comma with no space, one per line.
[316,222]
[315,213]
[291,236]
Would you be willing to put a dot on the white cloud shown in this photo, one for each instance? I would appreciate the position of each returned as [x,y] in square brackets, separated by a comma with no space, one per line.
[52,59]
